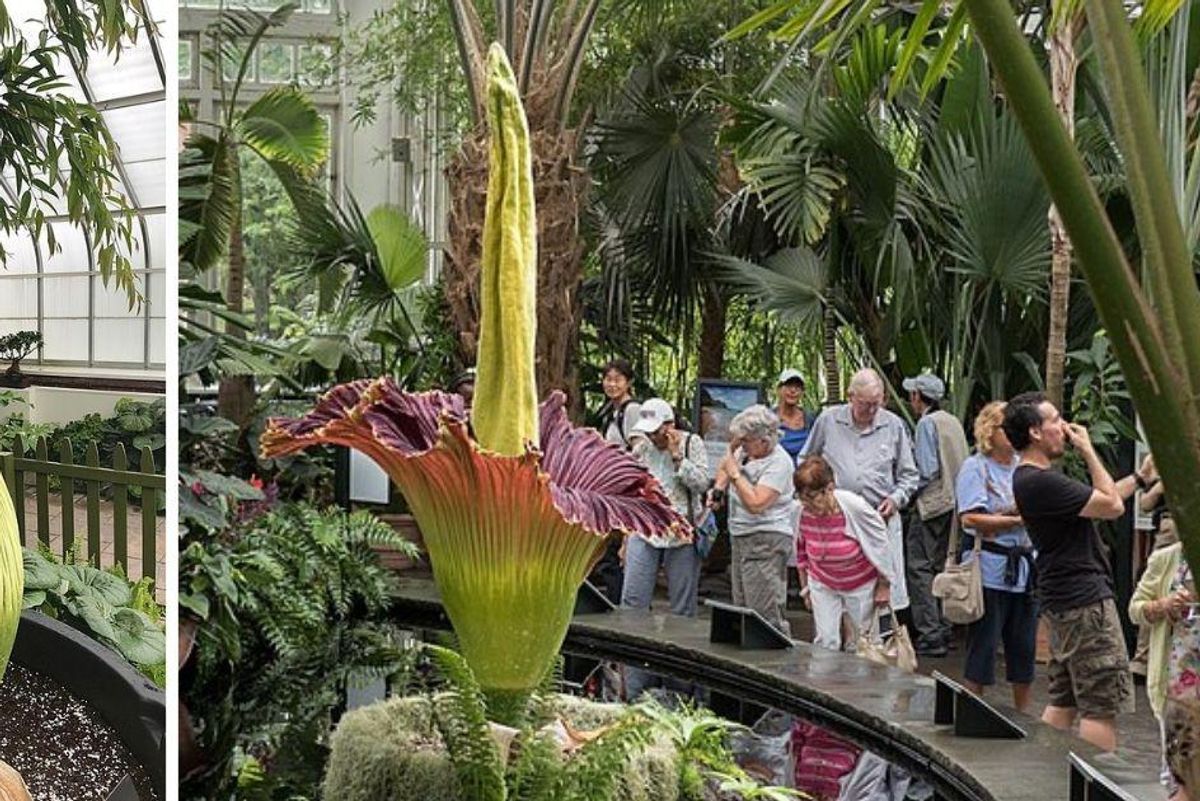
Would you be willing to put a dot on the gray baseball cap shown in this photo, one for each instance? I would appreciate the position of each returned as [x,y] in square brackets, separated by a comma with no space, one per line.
[927,384]
[653,414]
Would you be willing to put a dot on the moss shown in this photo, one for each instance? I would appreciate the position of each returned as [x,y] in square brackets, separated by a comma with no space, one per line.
[390,751]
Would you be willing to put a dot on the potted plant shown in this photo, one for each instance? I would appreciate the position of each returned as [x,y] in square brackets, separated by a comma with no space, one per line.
[15,347]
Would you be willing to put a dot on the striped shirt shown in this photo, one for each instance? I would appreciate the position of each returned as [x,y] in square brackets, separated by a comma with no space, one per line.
[828,555]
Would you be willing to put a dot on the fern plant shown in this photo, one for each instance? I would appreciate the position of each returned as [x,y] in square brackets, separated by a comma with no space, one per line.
[292,611]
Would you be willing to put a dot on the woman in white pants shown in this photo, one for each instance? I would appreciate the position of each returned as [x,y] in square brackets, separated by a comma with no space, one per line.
[842,553]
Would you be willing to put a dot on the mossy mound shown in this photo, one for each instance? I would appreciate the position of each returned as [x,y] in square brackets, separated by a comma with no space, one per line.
[391,751]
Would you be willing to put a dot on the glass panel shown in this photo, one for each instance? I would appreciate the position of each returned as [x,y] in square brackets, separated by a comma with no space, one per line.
[275,62]
[112,302]
[318,6]
[133,74]
[18,298]
[148,179]
[66,340]
[120,340]
[157,225]
[72,256]
[19,256]
[232,60]
[158,341]
[13,326]
[65,297]
[138,130]
[185,59]
[157,294]
[315,61]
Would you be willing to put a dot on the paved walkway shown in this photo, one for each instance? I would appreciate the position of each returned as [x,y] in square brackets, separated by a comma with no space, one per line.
[107,538]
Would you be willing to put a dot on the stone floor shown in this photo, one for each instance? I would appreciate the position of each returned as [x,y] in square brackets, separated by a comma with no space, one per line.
[133,567]
[1138,734]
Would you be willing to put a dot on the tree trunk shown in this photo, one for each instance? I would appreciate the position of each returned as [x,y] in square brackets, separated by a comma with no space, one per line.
[713,315]
[235,395]
[833,384]
[560,187]
[1063,65]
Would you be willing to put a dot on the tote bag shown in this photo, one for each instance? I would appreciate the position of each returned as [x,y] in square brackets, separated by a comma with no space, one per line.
[960,584]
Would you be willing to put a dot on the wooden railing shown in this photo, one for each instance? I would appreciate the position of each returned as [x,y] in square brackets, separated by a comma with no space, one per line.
[18,470]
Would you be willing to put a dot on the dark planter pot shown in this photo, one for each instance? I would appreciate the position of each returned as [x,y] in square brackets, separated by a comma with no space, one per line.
[124,698]
[18,381]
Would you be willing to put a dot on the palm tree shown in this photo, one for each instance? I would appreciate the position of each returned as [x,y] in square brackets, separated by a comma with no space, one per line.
[547,43]
[282,127]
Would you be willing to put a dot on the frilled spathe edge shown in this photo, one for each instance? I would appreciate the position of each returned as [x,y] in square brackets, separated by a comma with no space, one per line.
[592,483]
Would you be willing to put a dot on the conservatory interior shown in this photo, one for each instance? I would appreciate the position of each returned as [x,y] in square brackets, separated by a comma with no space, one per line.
[83,229]
[430,251]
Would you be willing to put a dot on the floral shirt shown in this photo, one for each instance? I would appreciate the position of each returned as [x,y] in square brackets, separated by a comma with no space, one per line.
[1183,665]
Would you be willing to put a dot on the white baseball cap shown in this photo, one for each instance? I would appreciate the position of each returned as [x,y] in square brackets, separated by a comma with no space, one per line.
[790,375]
[653,414]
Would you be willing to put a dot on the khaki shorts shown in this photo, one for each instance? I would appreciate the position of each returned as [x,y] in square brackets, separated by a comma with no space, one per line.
[1089,666]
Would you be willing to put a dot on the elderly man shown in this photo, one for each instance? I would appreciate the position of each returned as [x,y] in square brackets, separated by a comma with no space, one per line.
[941,449]
[871,453]
[757,474]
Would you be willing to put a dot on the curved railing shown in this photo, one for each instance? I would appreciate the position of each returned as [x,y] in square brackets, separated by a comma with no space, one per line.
[879,708]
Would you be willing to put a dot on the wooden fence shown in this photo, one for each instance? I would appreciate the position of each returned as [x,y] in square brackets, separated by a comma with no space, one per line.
[18,470]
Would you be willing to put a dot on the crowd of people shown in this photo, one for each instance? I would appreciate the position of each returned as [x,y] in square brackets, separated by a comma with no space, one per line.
[869,512]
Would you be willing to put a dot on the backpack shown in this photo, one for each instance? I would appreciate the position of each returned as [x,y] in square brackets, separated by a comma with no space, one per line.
[608,415]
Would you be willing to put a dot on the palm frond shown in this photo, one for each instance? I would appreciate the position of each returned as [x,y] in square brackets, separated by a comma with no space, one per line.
[792,282]
[284,125]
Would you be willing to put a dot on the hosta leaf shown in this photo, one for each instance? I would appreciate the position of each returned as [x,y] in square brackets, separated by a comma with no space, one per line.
[137,637]
[85,581]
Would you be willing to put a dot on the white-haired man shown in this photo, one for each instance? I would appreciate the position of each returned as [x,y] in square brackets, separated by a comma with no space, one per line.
[871,453]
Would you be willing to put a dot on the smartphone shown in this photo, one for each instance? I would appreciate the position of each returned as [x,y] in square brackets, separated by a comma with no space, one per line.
[885,625]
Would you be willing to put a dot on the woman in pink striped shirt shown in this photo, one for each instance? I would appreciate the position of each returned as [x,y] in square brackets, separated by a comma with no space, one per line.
[841,553]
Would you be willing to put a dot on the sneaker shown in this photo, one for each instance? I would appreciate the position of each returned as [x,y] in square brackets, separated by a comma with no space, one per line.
[935,651]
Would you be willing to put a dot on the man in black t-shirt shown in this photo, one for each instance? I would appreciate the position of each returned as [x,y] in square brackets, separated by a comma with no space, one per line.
[1089,666]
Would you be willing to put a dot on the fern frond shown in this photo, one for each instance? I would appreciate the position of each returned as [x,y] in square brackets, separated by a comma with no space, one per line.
[461,716]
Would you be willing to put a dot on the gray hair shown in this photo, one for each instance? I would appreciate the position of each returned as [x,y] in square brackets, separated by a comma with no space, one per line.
[757,422]
[864,380]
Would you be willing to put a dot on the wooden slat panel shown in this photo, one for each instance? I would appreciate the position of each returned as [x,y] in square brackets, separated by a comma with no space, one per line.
[18,486]
[149,516]
[84,473]
[67,457]
[120,519]
[41,484]
[92,459]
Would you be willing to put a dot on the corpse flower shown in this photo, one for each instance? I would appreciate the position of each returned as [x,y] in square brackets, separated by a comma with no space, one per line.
[12,577]
[514,518]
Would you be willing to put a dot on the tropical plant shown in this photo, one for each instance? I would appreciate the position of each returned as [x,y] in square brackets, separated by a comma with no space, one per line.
[1153,324]
[511,529]
[103,604]
[282,127]
[292,608]
[57,148]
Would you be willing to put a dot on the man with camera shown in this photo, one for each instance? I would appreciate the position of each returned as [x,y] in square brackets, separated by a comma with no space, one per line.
[1089,669]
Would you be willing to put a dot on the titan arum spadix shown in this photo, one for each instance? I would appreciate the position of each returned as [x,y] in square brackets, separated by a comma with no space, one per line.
[515,518]
[12,577]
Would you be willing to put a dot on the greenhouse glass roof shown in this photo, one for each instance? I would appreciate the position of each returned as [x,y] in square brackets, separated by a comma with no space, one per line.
[83,321]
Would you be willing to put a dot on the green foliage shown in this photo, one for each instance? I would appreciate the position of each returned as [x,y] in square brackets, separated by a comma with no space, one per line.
[292,608]
[461,716]
[58,151]
[103,604]
[16,346]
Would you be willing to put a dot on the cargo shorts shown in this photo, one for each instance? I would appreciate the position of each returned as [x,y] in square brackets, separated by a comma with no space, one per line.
[1089,665]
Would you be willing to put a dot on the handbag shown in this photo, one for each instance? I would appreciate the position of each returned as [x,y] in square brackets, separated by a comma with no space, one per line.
[895,650]
[960,584]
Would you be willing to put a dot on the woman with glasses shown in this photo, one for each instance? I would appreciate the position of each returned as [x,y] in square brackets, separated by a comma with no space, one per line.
[841,554]
[756,475]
